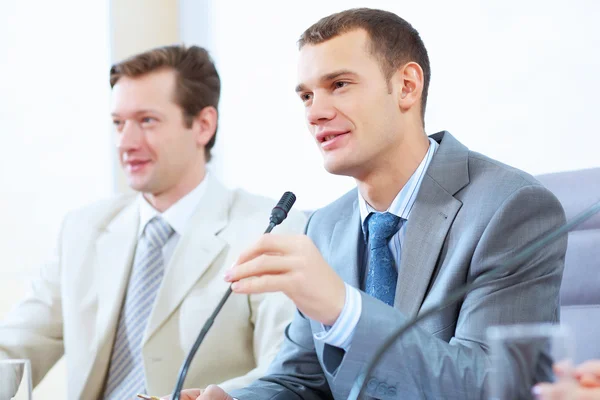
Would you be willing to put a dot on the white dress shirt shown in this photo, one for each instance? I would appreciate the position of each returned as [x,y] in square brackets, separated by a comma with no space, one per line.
[177,216]
[342,331]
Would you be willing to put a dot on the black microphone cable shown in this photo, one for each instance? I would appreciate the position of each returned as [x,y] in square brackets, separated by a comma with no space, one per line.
[359,385]
[278,214]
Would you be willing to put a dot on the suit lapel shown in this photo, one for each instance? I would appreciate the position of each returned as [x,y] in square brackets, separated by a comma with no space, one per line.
[427,227]
[114,249]
[345,245]
[429,222]
[195,252]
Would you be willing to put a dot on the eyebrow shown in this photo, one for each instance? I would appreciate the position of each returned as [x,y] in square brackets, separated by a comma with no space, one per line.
[327,77]
[139,112]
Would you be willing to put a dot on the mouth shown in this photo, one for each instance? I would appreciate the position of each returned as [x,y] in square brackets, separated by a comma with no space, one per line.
[328,138]
[331,140]
[137,165]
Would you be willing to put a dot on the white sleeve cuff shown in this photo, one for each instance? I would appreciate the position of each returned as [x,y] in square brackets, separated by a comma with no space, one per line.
[341,333]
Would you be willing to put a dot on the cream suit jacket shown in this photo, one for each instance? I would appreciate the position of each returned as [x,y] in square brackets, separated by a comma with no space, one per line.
[74,305]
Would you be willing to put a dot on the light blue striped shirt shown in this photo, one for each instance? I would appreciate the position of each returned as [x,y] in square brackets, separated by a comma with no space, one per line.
[342,331]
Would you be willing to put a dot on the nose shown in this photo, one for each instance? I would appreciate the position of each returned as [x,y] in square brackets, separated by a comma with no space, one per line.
[320,110]
[129,137]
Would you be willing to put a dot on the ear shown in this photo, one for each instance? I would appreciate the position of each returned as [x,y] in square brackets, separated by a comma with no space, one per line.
[409,80]
[205,125]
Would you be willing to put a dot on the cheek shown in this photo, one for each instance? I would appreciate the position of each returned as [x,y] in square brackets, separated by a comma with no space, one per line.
[380,117]
[354,117]
[174,146]
[356,108]
[150,143]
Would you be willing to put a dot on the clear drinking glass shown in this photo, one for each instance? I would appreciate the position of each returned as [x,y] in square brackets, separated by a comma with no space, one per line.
[526,354]
[15,380]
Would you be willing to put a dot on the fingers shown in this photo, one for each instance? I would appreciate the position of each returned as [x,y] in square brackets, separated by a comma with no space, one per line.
[269,244]
[589,367]
[588,374]
[564,391]
[549,391]
[262,284]
[589,380]
[188,394]
[264,264]
[563,369]
[586,394]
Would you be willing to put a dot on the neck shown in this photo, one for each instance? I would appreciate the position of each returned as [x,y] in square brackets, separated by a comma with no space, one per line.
[382,182]
[162,201]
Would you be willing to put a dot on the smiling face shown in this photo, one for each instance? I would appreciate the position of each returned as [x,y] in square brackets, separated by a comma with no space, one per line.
[352,111]
[159,153]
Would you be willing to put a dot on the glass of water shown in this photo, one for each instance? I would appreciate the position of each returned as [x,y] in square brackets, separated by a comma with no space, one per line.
[15,380]
[526,354]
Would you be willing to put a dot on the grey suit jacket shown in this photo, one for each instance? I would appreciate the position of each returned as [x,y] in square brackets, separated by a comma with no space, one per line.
[471,214]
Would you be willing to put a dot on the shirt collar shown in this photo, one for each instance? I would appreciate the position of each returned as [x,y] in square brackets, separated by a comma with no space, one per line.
[179,214]
[405,199]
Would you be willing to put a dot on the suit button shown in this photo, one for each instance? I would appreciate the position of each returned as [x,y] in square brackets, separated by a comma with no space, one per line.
[382,389]
[392,392]
[372,385]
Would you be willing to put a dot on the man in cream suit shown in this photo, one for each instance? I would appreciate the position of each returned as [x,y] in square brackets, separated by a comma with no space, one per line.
[134,278]
[428,216]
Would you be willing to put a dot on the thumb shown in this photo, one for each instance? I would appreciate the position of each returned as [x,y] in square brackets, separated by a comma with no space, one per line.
[214,392]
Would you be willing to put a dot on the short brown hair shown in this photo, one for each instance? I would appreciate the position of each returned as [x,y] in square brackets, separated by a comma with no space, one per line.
[198,83]
[394,42]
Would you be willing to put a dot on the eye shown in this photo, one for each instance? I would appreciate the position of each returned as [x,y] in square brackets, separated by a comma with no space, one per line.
[118,123]
[148,121]
[305,96]
[340,84]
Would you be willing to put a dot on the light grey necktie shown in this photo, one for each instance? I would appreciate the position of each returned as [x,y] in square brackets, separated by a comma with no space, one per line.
[126,371]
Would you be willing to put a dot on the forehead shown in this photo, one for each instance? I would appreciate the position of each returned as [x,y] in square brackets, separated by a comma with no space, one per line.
[154,89]
[348,51]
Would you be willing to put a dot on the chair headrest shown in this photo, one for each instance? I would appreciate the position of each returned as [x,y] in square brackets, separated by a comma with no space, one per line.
[576,190]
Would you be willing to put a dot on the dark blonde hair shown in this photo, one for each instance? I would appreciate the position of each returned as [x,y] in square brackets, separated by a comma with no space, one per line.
[393,41]
[198,83]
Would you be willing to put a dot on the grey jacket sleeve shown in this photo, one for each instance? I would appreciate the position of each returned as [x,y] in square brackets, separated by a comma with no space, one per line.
[295,373]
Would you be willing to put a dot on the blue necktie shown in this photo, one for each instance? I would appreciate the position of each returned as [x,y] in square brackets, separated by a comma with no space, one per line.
[382,275]
[126,371]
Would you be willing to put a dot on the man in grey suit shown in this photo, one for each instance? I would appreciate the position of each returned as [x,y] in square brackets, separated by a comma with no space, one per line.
[427,217]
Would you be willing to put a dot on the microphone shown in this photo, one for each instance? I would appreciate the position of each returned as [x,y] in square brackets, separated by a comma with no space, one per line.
[280,211]
[278,215]
[359,385]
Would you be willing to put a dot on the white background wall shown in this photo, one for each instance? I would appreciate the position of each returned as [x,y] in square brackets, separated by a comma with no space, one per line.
[55,152]
[515,80]
[55,140]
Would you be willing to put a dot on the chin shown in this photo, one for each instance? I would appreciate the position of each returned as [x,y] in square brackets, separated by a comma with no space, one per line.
[351,165]
[137,188]
[138,185]
[337,168]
